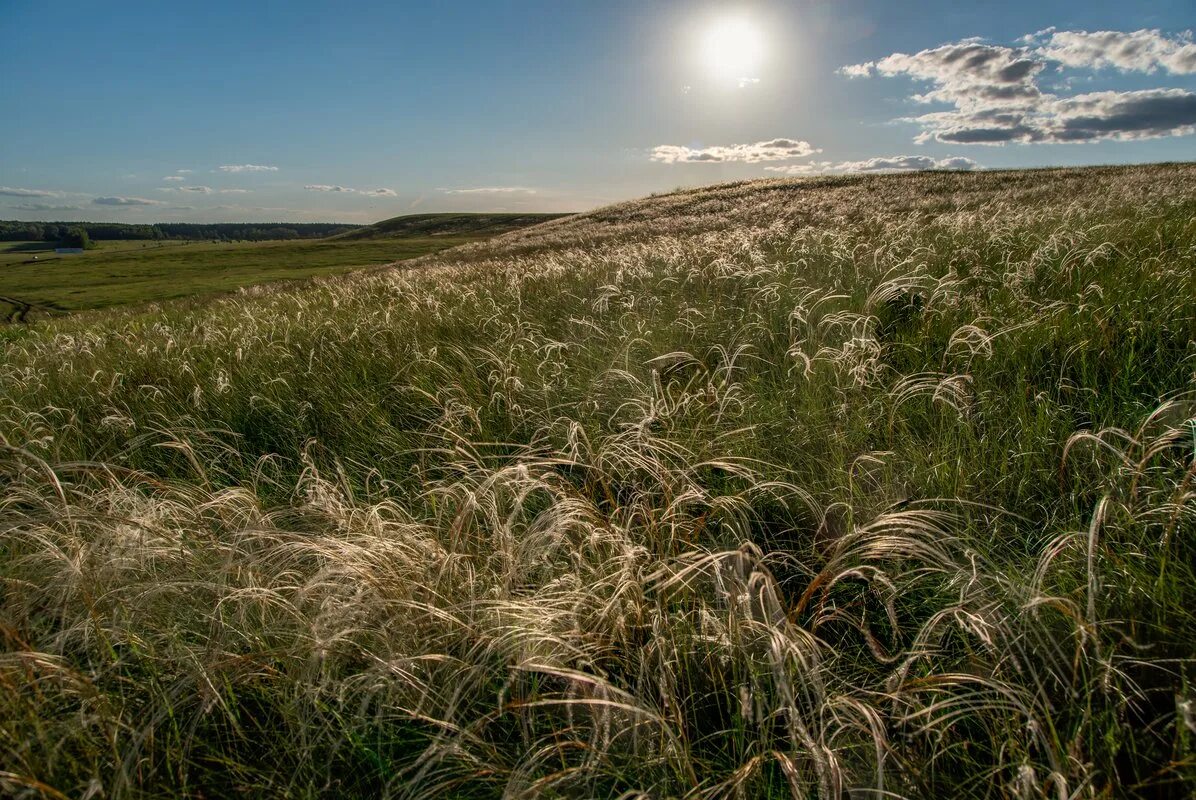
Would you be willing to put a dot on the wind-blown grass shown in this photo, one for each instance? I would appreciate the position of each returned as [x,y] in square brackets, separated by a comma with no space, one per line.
[881,486]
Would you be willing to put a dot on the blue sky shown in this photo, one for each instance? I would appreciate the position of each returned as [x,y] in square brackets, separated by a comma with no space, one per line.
[306,111]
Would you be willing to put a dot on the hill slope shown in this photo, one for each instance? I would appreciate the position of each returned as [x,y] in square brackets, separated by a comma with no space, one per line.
[772,489]
[448,224]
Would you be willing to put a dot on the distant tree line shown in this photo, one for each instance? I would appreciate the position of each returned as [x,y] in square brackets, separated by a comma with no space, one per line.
[16,231]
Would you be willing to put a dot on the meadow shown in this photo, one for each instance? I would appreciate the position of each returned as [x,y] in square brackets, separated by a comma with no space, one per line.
[868,486]
[126,272]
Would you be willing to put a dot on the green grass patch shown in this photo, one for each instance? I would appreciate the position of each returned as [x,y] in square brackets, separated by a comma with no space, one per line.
[132,272]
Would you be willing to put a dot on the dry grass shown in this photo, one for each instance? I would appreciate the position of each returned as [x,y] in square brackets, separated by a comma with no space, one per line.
[881,486]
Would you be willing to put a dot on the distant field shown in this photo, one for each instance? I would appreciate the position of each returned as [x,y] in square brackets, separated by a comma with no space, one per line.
[24,252]
[129,272]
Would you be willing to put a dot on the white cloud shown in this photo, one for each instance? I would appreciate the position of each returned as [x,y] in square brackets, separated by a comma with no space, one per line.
[323,187]
[1144,114]
[1092,117]
[969,73]
[195,189]
[174,178]
[813,168]
[957,163]
[124,201]
[14,191]
[857,70]
[380,192]
[1132,51]
[771,150]
[235,191]
[880,164]
[492,190]
[247,168]
[907,164]
[996,98]
[184,171]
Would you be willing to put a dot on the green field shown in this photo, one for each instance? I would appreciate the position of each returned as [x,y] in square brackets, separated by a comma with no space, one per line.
[120,273]
[136,271]
[14,253]
[858,486]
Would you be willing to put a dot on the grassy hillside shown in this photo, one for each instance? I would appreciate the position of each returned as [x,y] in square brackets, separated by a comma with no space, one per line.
[448,225]
[784,488]
[129,272]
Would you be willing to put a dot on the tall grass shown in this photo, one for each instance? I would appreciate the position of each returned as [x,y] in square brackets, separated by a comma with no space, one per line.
[874,486]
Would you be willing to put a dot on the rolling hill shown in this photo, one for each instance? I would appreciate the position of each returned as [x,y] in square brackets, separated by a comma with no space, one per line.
[859,486]
[448,224]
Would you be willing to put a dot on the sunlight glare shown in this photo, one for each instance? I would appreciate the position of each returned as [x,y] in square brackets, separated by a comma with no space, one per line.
[733,49]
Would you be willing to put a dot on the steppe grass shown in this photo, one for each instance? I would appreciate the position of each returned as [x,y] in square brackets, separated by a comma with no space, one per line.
[873,486]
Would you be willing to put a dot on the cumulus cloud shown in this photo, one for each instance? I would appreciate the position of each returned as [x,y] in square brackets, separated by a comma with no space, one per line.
[968,73]
[247,168]
[997,100]
[1143,114]
[879,164]
[857,70]
[771,150]
[980,126]
[492,190]
[323,187]
[195,189]
[1132,51]
[184,171]
[124,201]
[1124,115]
[957,163]
[907,164]
[174,178]
[380,192]
[14,191]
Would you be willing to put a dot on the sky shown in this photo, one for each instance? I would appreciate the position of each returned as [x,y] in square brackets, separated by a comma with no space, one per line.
[358,111]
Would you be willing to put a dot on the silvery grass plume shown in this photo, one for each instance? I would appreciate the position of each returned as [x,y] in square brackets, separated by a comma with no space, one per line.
[858,486]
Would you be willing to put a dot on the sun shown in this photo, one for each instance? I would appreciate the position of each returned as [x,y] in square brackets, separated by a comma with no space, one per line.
[733,49]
